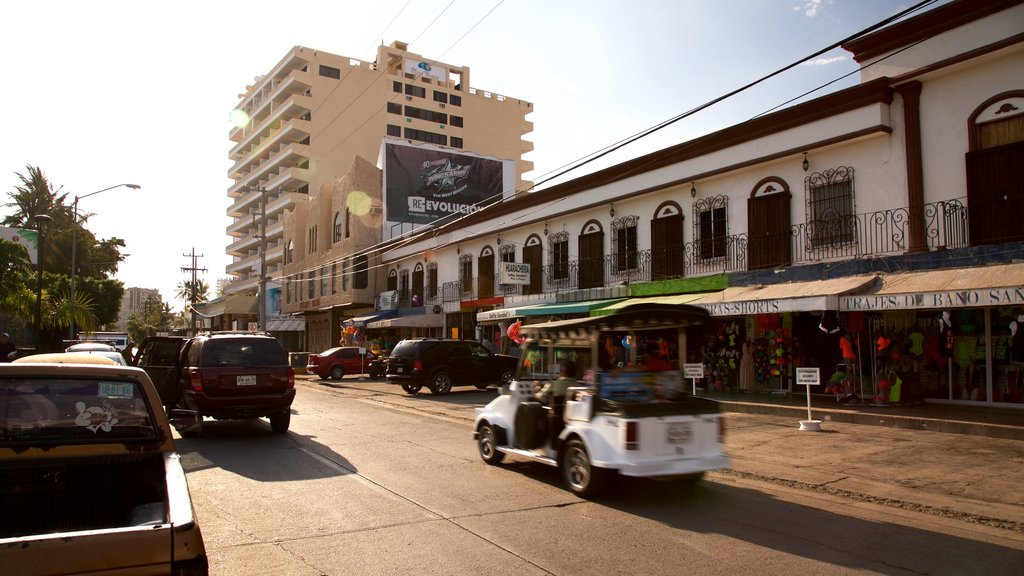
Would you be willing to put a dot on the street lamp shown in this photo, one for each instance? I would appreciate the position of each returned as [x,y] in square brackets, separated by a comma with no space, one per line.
[40,219]
[74,250]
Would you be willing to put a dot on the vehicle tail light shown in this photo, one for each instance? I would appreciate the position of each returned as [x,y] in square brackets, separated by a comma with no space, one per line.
[721,430]
[313,361]
[417,366]
[195,379]
[632,436]
[291,378]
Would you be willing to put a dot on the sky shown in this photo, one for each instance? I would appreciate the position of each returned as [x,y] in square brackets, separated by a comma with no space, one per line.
[110,92]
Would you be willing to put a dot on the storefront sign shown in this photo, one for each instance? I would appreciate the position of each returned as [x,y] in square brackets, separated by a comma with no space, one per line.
[952,299]
[514,273]
[743,308]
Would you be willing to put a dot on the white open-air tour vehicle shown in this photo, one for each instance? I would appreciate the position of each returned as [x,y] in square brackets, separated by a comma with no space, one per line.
[627,416]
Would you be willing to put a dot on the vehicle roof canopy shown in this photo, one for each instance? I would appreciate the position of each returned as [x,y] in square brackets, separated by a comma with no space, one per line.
[638,317]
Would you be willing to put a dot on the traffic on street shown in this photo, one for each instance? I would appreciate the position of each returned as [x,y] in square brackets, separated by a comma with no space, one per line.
[372,480]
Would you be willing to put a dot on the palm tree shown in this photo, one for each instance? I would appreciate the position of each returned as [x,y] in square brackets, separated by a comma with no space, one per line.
[189,292]
[37,196]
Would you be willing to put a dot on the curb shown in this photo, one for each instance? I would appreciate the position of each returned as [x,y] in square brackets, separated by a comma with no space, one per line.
[970,428]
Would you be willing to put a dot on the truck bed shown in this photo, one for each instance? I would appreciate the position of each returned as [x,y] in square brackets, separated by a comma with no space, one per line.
[55,496]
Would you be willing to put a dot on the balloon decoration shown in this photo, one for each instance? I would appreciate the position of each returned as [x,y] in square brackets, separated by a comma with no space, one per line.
[513,332]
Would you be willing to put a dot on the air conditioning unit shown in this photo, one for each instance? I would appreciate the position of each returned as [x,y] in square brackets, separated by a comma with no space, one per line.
[442,104]
[407,97]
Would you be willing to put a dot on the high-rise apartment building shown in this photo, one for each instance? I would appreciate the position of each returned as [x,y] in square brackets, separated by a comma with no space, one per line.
[306,120]
[132,302]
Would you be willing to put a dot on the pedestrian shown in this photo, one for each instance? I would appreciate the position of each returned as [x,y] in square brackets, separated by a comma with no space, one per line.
[8,350]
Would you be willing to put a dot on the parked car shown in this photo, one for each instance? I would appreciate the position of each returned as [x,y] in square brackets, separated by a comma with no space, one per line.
[90,480]
[91,347]
[224,375]
[441,363]
[335,363]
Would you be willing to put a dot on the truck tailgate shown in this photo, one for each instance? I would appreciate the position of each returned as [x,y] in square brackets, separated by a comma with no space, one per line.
[135,550]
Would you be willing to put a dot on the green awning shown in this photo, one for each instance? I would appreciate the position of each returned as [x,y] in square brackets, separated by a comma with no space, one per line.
[584,307]
[663,299]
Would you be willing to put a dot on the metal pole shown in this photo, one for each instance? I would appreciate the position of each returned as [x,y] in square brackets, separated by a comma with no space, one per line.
[40,220]
[262,300]
[74,250]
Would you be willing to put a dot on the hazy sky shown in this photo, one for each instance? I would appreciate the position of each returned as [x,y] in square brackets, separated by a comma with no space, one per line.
[105,92]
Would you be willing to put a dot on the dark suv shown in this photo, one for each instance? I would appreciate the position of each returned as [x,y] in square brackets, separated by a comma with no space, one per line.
[230,375]
[440,364]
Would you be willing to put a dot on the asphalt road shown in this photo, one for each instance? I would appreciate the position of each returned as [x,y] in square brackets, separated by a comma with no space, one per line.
[372,481]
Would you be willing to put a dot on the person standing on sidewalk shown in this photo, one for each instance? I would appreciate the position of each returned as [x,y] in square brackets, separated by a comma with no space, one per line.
[8,349]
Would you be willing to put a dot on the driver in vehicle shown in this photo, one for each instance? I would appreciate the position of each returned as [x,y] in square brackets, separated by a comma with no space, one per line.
[560,386]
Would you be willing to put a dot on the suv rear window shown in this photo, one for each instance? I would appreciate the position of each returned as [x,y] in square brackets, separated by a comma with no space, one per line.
[405,349]
[242,352]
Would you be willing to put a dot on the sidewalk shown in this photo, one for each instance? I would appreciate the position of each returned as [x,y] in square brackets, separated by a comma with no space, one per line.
[992,422]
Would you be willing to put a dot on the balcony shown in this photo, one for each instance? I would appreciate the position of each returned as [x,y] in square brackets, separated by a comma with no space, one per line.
[882,233]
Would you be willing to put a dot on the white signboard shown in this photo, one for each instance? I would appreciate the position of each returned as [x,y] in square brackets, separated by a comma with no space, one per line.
[808,376]
[693,370]
[514,273]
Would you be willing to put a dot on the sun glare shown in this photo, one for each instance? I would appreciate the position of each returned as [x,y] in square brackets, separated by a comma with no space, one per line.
[238,118]
[359,203]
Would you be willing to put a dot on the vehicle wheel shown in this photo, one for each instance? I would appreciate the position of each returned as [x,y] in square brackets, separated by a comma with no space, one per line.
[488,446]
[337,373]
[411,388]
[279,422]
[579,476]
[376,374]
[442,383]
[506,378]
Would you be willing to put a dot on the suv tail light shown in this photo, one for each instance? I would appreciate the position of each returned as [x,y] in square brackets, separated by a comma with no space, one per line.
[195,379]
[632,440]
[417,366]
[291,378]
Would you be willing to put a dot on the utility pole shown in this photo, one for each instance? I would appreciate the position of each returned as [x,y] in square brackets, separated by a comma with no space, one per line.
[192,291]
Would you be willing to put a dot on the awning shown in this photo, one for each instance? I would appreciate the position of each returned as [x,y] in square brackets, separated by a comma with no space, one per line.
[555,309]
[507,313]
[787,297]
[664,299]
[363,321]
[998,285]
[420,320]
[286,324]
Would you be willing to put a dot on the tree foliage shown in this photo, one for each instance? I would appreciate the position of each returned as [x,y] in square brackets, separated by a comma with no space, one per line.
[97,295]
[193,292]
[155,316]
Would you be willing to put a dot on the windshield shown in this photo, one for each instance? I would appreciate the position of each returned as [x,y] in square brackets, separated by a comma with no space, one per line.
[544,362]
[54,410]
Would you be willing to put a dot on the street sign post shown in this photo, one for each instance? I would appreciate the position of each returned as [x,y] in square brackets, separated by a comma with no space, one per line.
[809,377]
[694,372]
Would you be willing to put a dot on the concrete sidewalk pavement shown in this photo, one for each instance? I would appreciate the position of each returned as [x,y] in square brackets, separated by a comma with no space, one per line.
[971,478]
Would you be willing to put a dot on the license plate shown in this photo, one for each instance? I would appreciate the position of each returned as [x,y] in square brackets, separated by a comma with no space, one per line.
[246,381]
[679,432]
[399,369]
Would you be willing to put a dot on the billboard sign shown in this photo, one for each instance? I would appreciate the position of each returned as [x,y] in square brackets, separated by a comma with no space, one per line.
[423,184]
[27,238]
[422,68]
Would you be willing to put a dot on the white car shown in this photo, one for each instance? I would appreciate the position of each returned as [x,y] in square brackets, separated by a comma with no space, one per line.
[629,421]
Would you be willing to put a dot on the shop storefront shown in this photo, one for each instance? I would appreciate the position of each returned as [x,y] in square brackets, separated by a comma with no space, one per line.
[954,336]
[407,323]
[761,333]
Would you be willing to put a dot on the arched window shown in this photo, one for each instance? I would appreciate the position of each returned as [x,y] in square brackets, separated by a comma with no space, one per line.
[336,236]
